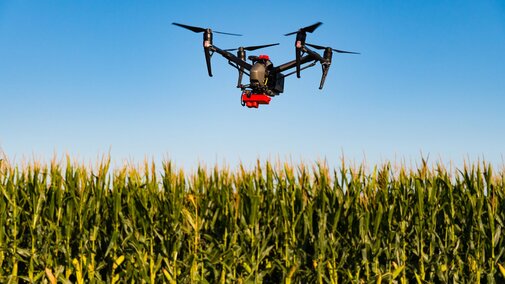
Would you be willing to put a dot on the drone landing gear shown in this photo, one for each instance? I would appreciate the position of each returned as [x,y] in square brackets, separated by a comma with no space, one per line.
[254,100]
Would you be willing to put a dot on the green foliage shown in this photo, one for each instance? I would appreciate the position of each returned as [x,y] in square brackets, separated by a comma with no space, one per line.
[271,224]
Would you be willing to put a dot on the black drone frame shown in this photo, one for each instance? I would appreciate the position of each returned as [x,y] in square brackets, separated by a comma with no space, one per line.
[303,55]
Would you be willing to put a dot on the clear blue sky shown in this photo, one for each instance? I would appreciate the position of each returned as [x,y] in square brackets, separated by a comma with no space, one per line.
[89,77]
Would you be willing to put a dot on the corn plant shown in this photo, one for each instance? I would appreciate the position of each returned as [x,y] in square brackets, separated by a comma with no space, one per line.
[64,222]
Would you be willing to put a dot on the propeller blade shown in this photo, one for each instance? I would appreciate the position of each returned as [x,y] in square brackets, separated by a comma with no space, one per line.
[315,46]
[191,28]
[201,30]
[343,51]
[251,48]
[227,33]
[312,28]
[291,33]
[309,29]
[336,50]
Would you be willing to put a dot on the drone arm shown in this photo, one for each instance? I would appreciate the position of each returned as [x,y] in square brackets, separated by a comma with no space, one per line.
[325,67]
[293,64]
[302,68]
[232,58]
[240,75]
[313,54]
[325,63]
[328,52]
[208,55]
[239,68]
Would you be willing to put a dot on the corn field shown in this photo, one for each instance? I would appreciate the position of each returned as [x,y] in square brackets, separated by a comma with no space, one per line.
[273,223]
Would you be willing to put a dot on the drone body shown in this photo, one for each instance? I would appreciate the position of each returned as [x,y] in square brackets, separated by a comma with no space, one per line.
[265,79]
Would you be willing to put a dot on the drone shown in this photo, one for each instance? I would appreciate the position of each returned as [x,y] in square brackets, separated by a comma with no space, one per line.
[266,80]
